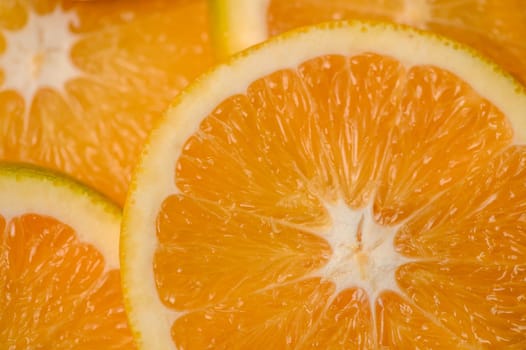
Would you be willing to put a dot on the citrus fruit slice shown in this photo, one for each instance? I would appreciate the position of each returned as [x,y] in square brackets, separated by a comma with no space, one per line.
[82,81]
[59,267]
[495,27]
[349,185]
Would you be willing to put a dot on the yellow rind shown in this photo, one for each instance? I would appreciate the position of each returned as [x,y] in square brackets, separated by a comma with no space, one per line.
[236,25]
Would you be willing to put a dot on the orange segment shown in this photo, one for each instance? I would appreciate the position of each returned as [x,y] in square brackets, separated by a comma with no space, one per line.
[12,14]
[428,148]
[402,324]
[346,323]
[488,307]
[291,252]
[276,317]
[59,281]
[246,168]
[485,227]
[60,286]
[363,193]
[82,82]
[335,84]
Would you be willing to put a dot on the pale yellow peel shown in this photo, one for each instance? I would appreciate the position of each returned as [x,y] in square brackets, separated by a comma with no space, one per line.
[237,24]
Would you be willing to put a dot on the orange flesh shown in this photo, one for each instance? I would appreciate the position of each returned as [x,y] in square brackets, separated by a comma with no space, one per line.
[56,290]
[497,28]
[131,69]
[240,247]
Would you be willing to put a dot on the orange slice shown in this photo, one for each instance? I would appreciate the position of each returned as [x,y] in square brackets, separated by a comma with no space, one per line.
[495,27]
[346,186]
[60,282]
[81,82]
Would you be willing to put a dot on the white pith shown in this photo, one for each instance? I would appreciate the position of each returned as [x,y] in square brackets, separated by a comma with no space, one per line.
[149,318]
[38,55]
[95,222]
[363,252]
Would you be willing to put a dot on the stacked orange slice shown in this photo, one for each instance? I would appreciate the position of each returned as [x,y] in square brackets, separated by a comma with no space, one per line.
[59,267]
[495,27]
[345,186]
[81,82]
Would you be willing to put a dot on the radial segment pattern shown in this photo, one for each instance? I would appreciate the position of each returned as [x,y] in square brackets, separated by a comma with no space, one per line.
[350,202]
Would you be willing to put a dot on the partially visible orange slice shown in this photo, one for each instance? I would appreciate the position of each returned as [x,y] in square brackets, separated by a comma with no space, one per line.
[59,269]
[81,82]
[495,27]
[345,186]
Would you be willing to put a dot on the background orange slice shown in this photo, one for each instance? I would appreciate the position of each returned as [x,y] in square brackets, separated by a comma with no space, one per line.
[349,185]
[81,82]
[59,269]
[495,27]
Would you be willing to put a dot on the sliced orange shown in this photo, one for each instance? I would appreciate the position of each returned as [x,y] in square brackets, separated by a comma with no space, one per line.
[495,27]
[59,267]
[82,81]
[346,186]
